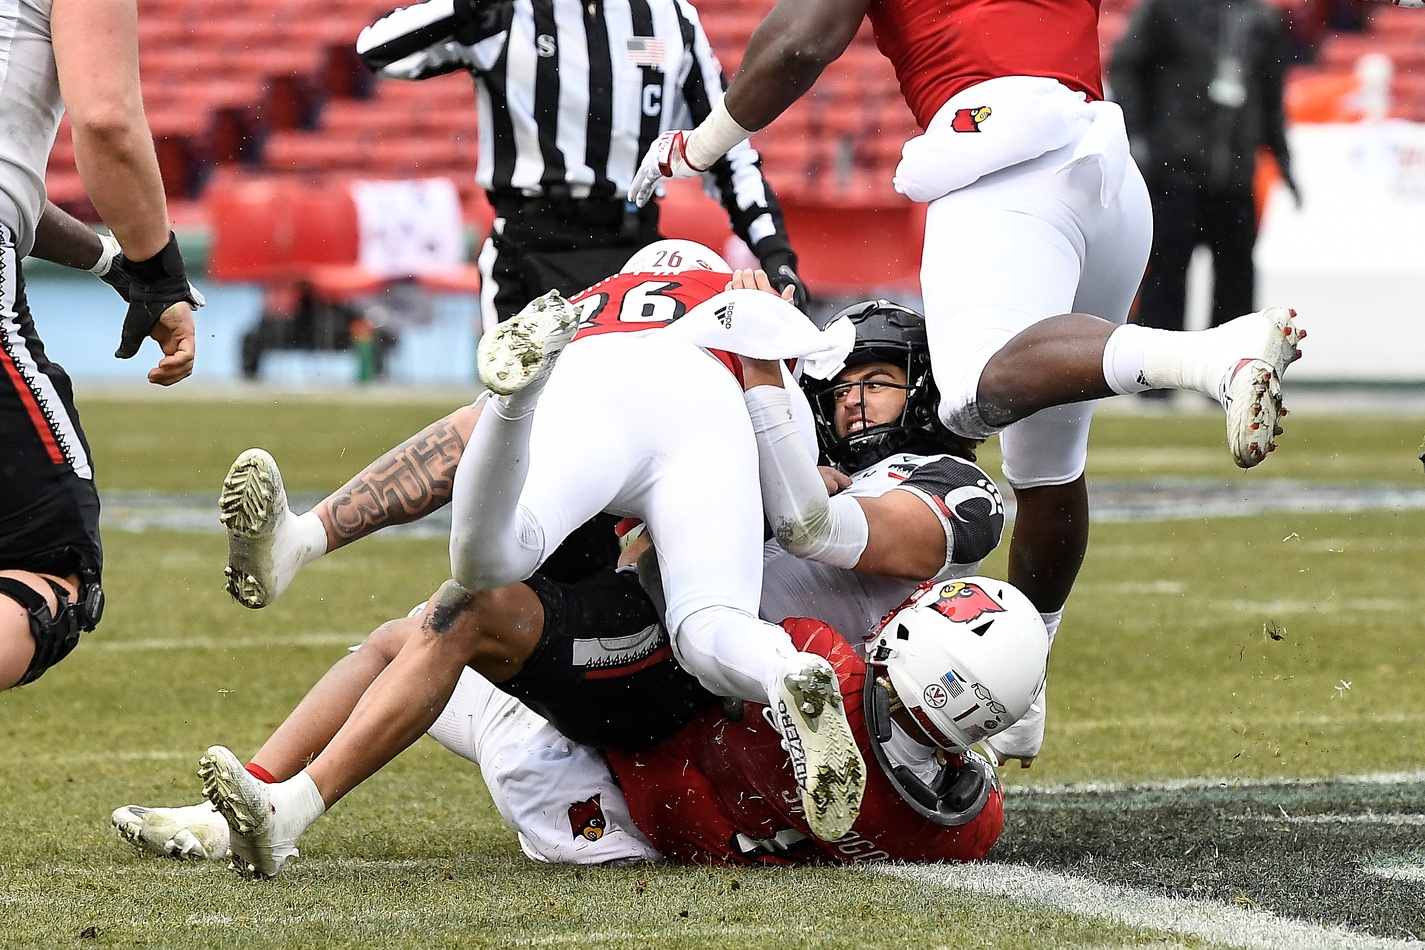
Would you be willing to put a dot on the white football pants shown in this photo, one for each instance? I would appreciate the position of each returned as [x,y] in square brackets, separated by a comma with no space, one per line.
[559,797]
[640,425]
[1020,245]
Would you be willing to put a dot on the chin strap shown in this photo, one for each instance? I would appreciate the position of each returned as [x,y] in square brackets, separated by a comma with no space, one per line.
[959,791]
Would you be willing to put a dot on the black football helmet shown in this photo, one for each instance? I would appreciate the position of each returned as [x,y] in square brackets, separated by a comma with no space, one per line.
[886,332]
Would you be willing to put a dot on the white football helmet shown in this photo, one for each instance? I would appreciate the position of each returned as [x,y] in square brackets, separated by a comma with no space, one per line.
[674,256]
[966,658]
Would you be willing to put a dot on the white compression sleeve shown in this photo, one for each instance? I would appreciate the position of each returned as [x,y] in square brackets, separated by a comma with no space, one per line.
[714,138]
[832,530]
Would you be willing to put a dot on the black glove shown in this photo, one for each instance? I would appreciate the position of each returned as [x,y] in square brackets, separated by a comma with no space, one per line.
[781,268]
[149,287]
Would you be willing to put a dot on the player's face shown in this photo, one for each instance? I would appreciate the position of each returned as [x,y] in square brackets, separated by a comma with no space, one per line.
[872,394]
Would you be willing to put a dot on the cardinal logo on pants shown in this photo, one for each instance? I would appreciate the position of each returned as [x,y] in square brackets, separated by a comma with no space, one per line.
[963,602]
[968,120]
[586,819]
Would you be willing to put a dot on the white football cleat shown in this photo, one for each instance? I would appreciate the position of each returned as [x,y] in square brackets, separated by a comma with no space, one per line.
[829,769]
[1261,347]
[520,353]
[1025,739]
[191,831]
[259,841]
[264,547]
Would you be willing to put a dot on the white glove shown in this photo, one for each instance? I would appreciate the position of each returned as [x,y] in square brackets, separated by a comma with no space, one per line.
[667,157]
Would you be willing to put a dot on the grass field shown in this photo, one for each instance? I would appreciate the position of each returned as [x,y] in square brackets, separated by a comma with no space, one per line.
[1201,657]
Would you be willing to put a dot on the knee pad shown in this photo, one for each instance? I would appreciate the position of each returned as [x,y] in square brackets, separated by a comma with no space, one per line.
[56,633]
[1048,448]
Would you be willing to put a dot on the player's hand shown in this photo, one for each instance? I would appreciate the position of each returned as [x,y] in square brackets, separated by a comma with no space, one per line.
[151,287]
[781,268]
[834,479]
[757,279]
[174,333]
[667,157]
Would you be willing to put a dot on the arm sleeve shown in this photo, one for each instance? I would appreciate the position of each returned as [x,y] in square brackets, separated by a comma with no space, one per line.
[966,501]
[424,39]
[736,179]
[804,519]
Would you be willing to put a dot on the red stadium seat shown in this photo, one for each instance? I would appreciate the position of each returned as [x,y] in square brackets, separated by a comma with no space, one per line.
[248,241]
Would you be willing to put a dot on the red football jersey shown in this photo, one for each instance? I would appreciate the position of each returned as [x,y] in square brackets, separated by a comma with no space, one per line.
[626,303]
[723,792]
[940,48]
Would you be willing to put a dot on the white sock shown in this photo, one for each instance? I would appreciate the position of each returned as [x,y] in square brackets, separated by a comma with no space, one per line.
[518,405]
[1051,622]
[489,544]
[1138,358]
[298,802]
[312,537]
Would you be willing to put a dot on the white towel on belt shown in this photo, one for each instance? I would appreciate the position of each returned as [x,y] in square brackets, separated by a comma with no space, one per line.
[1006,121]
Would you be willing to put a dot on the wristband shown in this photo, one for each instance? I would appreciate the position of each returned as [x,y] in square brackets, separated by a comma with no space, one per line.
[108,250]
[166,264]
[714,137]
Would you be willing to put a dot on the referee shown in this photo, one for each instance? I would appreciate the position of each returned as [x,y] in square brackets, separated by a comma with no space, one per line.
[572,93]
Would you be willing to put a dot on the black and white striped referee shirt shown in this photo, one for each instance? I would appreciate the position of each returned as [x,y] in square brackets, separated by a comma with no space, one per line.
[573,92]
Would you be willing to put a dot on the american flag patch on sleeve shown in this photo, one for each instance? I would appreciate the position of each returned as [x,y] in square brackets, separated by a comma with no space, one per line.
[647,51]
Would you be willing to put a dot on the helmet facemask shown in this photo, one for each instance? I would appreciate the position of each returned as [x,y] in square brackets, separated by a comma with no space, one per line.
[885,333]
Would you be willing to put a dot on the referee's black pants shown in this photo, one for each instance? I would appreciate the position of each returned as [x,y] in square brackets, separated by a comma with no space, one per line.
[542,246]
[1186,213]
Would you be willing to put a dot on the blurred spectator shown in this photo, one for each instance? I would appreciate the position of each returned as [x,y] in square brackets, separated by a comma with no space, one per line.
[295,318]
[1200,83]
[1349,16]
[1304,22]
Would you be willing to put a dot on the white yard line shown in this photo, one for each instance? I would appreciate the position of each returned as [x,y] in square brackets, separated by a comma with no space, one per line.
[1366,818]
[326,639]
[1414,874]
[1173,785]
[1131,907]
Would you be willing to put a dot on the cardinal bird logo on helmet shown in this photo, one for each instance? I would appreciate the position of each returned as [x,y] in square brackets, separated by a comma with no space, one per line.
[968,120]
[963,603]
[586,819]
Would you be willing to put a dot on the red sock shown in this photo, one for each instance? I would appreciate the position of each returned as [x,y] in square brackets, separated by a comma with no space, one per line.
[259,772]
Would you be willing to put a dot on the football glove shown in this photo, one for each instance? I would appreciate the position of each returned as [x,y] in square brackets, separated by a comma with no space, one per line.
[781,268]
[149,287]
[667,157]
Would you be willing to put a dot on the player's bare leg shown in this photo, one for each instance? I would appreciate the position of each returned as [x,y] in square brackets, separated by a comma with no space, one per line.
[1074,357]
[199,831]
[492,631]
[268,544]
[1050,538]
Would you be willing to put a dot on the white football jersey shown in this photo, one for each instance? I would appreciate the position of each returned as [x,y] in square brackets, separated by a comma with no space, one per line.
[29,113]
[960,494]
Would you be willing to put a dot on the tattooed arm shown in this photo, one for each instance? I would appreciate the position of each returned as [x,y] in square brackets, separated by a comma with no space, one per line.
[404,485]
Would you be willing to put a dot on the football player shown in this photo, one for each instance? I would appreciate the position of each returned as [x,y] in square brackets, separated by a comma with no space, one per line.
[1037,231]
[960,659]
[911,476]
